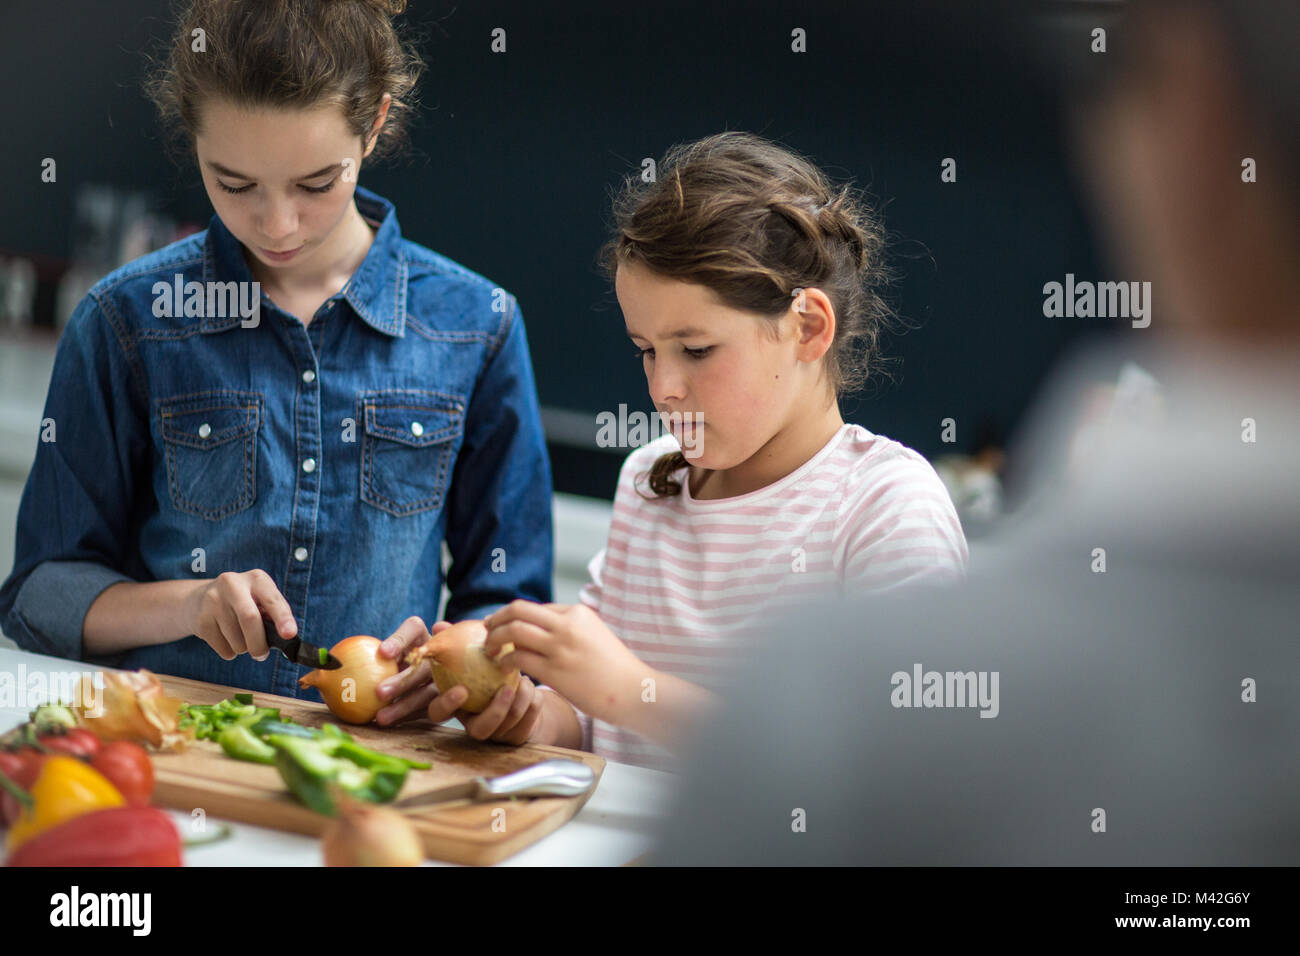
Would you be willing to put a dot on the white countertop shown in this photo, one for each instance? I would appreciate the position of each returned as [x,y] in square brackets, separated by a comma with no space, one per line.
[617,825]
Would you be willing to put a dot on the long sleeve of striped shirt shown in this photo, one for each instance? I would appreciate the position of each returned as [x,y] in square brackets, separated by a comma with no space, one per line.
[682,581]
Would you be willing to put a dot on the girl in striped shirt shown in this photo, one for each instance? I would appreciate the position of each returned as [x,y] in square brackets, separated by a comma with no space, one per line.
[747,282]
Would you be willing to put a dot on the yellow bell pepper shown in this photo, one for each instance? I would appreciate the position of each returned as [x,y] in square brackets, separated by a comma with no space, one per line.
[64,788]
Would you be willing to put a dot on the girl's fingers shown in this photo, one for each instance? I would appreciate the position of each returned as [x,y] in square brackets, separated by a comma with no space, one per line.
[272,603]
[523,731]
[251,626]
[484,725]
[524,694]
[525,634]
[230,629]
[404,681]
[444,707]
[411,633]
[407,706]
[439,626]
[543,615]
[209,632]
[536,666]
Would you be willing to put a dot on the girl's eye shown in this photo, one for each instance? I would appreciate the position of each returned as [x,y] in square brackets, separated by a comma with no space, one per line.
[698,353]
[642,353]
[311,189]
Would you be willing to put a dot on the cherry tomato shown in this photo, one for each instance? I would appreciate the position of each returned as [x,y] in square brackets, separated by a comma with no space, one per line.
[77,742]
[127,767]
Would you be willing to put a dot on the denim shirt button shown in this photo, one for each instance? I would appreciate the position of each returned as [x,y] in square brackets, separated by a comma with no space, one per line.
[417,429]
[300,554]
[205,430]
[309,464]
[309,376]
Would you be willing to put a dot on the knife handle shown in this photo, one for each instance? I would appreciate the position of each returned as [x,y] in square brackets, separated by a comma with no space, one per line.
[550,778]
[288,646]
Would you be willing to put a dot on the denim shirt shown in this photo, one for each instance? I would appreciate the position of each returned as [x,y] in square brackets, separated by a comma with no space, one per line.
[336,456]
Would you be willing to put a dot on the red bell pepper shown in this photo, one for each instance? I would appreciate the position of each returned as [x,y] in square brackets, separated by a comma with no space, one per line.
[118,836]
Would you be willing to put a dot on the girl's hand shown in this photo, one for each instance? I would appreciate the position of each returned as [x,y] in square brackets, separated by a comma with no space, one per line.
[568,647]
[511,717]
[228,612]
[409,691]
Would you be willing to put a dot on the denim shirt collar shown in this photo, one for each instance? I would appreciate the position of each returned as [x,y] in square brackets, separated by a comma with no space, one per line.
[376,291]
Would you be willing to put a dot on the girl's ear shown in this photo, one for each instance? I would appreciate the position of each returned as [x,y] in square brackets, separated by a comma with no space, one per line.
[373,137]
[814,317]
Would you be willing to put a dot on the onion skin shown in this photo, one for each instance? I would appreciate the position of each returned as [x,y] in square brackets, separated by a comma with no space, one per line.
[367,835]
[359,656]
[457,657]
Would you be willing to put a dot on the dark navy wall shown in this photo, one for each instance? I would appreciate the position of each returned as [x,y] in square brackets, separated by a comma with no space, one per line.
[515,155]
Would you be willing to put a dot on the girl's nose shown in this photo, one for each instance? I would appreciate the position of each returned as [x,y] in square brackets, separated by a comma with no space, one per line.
[279,222]
[667,385]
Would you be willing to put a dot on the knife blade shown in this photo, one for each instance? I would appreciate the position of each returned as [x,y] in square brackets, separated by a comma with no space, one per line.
[550,778]
[298,650]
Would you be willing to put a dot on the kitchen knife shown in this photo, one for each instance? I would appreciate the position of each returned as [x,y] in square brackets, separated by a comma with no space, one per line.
[298,650]
[550,778]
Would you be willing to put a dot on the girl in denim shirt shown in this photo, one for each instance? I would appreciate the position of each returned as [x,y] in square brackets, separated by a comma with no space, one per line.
[286,415]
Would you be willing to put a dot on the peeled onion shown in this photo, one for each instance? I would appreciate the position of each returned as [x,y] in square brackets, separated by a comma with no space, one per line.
[349,691]
[457,657]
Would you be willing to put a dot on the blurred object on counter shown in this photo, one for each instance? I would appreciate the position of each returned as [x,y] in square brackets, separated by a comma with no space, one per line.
[1135,399]
[17,292]
[974,481]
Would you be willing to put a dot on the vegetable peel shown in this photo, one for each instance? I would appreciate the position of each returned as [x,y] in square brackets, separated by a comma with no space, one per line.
[132,705]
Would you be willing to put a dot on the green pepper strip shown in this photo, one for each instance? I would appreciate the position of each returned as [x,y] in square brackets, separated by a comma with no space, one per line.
[267,726]
[238,742]
[311,768]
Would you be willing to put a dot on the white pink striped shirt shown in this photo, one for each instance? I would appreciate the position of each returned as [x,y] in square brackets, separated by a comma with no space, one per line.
[681,581]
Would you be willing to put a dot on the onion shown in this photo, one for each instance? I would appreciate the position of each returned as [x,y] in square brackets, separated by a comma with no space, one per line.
[457,657]
[366,835]
[349,691]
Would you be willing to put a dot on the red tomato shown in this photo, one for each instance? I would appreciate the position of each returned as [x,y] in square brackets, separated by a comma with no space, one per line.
[10,764]
[77,742]
[28,767]
[127,767]
[10,809]
[20,767]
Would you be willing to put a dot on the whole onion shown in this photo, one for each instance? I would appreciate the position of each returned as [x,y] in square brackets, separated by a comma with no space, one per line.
[349,691]
[368,835]
[457,657]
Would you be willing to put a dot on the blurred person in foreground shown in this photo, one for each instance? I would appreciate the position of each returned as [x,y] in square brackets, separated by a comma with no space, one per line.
[1128,663]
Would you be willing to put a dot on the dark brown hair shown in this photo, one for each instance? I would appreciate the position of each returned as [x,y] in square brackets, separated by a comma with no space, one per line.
[754,222]
[287,54]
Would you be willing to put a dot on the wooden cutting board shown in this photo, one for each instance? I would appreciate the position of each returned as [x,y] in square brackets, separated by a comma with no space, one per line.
[202,777]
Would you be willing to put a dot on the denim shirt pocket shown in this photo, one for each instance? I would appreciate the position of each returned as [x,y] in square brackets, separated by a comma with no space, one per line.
[209,441]
[408,451]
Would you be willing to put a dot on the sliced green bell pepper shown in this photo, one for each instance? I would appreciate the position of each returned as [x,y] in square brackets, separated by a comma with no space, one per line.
[238,741]
[312,769]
